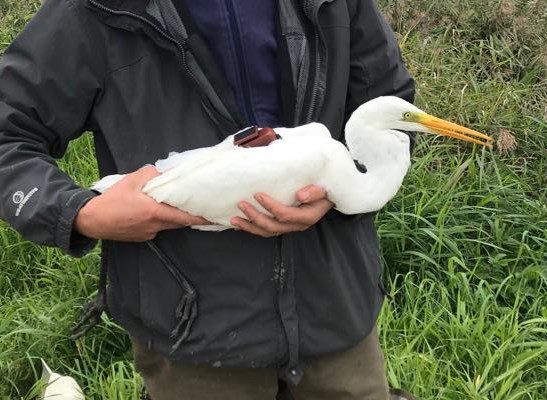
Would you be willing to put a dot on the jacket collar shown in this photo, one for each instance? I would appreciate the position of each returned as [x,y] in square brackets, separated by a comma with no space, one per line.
[310,7]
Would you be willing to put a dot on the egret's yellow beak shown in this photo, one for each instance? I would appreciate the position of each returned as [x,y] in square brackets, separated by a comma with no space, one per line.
[445,128]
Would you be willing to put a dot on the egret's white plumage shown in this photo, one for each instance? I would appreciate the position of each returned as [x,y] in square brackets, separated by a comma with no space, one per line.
[210,182]
[59,387]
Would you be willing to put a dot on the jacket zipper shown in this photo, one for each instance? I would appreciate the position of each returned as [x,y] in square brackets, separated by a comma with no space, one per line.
[311,91]
[241,69]
[180,46]
[311,9]
[279,279]
[314,87]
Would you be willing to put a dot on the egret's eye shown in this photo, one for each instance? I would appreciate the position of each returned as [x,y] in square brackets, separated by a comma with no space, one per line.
[406,115]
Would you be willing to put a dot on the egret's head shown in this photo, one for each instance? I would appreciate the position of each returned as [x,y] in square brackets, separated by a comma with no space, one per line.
[388,113]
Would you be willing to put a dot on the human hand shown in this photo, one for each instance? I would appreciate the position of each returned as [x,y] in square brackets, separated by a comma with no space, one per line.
[313,206]
[124,213]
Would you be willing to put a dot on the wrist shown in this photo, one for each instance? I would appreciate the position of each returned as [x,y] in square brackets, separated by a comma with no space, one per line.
[85,220]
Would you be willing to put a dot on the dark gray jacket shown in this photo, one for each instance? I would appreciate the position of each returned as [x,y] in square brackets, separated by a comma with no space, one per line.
[136,74]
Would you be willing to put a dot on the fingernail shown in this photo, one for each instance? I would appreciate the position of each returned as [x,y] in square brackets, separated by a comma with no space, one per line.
[258,197]
[241,206]
[305,196]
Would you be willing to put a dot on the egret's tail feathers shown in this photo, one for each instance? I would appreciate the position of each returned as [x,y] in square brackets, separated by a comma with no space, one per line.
[190,159]
[313,130]
[106,183]
[172,160]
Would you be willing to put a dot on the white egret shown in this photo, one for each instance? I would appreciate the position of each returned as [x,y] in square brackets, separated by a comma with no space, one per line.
[210,182]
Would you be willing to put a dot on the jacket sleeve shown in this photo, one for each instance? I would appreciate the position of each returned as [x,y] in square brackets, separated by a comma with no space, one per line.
[48,84]
[376,65]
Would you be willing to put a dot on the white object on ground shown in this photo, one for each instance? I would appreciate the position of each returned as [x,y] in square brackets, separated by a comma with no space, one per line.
[59,387]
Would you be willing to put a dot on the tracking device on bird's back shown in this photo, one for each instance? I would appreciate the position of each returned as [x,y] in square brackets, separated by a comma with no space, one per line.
[254,137]
[246,135]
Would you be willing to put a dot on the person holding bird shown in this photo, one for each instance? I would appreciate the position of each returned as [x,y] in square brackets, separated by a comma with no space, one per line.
[285,304]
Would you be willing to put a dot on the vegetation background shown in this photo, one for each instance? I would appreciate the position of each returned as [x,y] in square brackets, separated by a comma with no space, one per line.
[464,242]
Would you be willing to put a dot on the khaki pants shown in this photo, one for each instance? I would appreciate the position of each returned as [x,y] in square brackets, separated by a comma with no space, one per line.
[355,374]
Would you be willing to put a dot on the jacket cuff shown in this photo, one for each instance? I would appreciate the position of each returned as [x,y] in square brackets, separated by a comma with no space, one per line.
[66,238]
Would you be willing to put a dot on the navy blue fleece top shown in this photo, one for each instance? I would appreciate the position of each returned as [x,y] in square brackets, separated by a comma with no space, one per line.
[242,37]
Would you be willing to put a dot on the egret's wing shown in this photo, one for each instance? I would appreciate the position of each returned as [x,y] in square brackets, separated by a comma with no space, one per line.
[189,159]
[174,158]
[214,190]
[180,165]
[183,179]
[192,159]
[312,130]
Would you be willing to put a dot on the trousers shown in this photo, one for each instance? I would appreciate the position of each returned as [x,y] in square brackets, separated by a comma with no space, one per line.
[354,374]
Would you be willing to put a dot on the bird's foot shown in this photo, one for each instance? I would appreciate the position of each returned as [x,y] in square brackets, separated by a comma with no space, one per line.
[186,313]
[90,317]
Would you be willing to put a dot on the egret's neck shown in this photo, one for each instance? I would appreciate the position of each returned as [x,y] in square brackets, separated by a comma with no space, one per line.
[360,144]
[386,155]
[372,144]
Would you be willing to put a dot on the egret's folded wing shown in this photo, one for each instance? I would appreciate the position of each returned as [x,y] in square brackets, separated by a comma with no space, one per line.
[175,159]
[174,169]
[314,129]
[187,160]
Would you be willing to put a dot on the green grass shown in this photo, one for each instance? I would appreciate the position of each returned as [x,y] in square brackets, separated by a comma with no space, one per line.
[464,243]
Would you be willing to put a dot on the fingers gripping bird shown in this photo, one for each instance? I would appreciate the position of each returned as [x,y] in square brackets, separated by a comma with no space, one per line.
[211,181]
